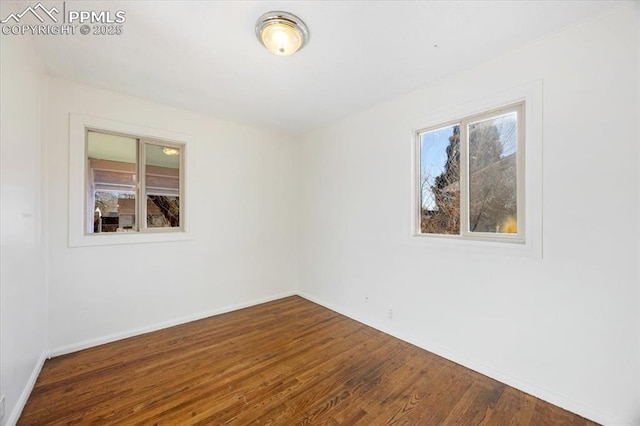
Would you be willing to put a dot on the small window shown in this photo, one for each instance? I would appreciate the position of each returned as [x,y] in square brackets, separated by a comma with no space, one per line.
[133,184]
[471,176]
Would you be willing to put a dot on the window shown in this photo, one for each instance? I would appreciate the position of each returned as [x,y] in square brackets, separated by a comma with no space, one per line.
[128,183]
[471,176]
[133,184]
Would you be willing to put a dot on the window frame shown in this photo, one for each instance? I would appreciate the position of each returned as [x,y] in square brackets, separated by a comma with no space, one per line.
[79,126]
[464,123]
[140,189]
[529,165]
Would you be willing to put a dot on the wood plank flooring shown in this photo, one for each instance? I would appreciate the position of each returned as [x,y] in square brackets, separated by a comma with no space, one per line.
[287,362]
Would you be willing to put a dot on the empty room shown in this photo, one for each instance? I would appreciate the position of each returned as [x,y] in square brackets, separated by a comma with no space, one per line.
[320,212]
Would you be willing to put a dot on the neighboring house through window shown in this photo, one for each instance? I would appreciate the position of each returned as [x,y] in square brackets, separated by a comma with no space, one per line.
[133,184]
[127,183]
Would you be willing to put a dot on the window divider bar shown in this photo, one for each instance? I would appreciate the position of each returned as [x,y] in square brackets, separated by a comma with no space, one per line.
[141,205]
[464,179]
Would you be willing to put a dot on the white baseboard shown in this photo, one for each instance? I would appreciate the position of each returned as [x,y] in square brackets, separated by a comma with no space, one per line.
[568,404]
[24,396]
[74,347]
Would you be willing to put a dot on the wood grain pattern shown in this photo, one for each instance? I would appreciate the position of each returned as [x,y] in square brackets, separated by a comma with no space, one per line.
[287,362]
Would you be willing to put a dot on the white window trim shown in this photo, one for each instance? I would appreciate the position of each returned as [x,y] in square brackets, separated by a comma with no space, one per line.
[531,94]
[78,126]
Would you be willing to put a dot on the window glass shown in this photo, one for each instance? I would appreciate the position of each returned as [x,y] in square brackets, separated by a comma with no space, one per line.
[493,194]
[162,185]
[111,182]
[471,176]
[130,178]
[440,180]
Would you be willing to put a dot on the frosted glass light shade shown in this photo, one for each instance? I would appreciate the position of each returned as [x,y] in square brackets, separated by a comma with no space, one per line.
[170,151]
[282,33]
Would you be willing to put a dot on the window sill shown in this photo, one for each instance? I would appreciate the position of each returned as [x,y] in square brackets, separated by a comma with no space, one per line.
[457,244]
[118,238]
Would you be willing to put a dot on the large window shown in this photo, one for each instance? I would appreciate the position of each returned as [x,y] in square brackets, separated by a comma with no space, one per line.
[134,184]
[471,176]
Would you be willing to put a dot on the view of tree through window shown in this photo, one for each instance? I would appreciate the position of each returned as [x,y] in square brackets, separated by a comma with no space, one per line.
[492,175]
[440,181]
[479,194]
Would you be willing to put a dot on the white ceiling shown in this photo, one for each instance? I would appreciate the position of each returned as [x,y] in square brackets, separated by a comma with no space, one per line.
[204,56]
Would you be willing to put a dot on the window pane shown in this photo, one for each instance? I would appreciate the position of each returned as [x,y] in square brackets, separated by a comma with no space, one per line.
[492,175]
[111,182]
[440,181]
[162,185]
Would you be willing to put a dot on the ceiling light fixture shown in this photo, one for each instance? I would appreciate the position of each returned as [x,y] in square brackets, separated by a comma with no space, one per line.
[170,151]
[282,33]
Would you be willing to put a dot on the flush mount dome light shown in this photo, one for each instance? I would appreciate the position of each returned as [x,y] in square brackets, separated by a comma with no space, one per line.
[282,33]
[170,151]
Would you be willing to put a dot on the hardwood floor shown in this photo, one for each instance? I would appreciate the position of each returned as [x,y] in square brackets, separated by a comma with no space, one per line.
[288,362]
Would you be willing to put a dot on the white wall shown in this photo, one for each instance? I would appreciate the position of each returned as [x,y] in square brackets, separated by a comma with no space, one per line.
[22,278]
[637,14]
[241,220]
[564,327]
